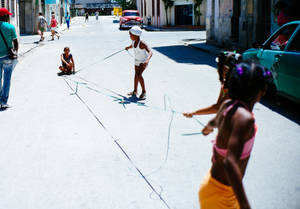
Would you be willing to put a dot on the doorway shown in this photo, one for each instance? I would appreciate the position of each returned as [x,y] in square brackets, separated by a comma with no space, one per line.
[235,20]
[184,14]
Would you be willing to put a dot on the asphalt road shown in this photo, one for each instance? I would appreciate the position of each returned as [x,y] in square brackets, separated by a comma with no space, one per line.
[79,142]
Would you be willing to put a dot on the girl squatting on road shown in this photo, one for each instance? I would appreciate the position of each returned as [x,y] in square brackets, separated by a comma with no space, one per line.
[222,187]
[142,55]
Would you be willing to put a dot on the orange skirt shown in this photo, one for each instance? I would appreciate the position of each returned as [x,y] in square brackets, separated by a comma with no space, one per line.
[215,195]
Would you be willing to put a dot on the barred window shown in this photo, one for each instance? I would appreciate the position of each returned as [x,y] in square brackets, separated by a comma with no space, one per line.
[2,3]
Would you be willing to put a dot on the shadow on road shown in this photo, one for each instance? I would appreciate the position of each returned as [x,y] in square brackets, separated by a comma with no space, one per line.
[284,107]
[187,55]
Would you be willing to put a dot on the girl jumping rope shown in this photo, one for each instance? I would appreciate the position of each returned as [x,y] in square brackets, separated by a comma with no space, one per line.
[142,56]
[225,62]
[223,187]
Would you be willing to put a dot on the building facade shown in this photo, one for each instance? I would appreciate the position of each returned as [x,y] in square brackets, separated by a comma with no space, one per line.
[103,7]
[240,23]
[182,12]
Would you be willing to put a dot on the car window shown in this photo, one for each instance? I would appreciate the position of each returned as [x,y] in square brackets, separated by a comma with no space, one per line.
[295,44]
[131,14]
[280,39]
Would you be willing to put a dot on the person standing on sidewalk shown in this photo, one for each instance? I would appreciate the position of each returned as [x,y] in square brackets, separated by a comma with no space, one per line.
[86,17]
[97,15]
[42,26]
[68,19]
[53,26]
[8,40]
[142,55]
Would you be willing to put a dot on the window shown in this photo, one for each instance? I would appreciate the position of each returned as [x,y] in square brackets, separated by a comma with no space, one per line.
[279,40]
[295,44]
[2,3]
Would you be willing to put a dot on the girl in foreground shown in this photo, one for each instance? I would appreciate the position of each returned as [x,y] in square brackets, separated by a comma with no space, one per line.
[225,62]
[223,187]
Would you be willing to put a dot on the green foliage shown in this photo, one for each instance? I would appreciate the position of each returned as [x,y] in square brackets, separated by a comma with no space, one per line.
[125,4]
[168,4]
[197,13]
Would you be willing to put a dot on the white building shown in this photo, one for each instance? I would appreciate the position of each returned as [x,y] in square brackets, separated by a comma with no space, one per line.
[13,7]
[181,13]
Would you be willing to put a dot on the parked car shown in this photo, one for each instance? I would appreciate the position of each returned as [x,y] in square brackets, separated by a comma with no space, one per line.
[281,54]
[130,18]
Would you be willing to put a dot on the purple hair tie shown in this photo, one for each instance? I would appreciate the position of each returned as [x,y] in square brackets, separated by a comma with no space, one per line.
[267,73]
[239,70]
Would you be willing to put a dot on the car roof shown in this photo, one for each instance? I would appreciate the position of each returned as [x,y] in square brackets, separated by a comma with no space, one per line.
[293,22]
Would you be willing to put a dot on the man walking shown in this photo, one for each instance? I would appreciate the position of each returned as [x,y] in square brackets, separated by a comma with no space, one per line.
[8,41]
[42,26]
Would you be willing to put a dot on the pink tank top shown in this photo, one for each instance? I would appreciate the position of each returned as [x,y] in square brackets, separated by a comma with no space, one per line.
[247,146]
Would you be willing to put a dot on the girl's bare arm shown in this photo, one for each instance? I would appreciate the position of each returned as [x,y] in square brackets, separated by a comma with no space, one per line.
[73,64]
[210,109]
[213,123]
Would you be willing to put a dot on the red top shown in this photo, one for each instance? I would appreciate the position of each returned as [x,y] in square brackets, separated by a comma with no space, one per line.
[53,23]
[282,18]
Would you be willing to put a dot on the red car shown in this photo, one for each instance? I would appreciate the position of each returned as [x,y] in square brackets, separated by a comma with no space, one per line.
[130,18]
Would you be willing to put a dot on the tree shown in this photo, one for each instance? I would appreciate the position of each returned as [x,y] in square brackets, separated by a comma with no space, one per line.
[126,4]
[197,12]
[168,4]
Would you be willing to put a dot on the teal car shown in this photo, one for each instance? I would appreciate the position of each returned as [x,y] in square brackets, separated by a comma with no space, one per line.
[281,54]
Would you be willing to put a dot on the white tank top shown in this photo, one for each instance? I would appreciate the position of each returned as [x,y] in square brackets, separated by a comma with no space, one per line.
[141,55]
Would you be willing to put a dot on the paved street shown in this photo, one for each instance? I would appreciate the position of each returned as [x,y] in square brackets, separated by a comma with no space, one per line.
[78,142]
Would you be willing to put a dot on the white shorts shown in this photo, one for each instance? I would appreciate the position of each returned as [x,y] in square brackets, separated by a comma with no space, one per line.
[53,28]
[138,62]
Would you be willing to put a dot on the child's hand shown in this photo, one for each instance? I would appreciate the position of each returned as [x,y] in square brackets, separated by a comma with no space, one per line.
[145,64]
[126,48]
[188,115]
[207,130]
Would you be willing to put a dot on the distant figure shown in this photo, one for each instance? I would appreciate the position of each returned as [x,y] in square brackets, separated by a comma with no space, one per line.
[68,65]
[53,26]
[86,16]
[142,55]
[282,17]
[8,40]
[68,19]
[42,26]
[97,15]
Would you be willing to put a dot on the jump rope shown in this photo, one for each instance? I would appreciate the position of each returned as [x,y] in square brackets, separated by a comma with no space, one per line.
[123,99]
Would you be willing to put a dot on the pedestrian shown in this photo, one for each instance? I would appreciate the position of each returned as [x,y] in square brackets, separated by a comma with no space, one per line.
[8,42]
[223,187]
[142,55]
[225,62]
[68,19]
[86,17]
[53,27]
[97,15]
[282,16]
[42,26]
[68,64]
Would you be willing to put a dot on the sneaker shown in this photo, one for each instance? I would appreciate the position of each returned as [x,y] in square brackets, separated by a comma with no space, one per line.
[133,93]
[142,96]
[5,106]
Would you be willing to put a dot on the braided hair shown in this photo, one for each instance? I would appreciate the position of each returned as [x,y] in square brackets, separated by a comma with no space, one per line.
[228,59]
[247,79]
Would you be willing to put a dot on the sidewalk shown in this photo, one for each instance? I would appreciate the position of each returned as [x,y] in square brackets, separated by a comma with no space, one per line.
[174,28]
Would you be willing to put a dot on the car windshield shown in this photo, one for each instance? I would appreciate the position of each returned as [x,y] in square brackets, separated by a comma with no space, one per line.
[131,14]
